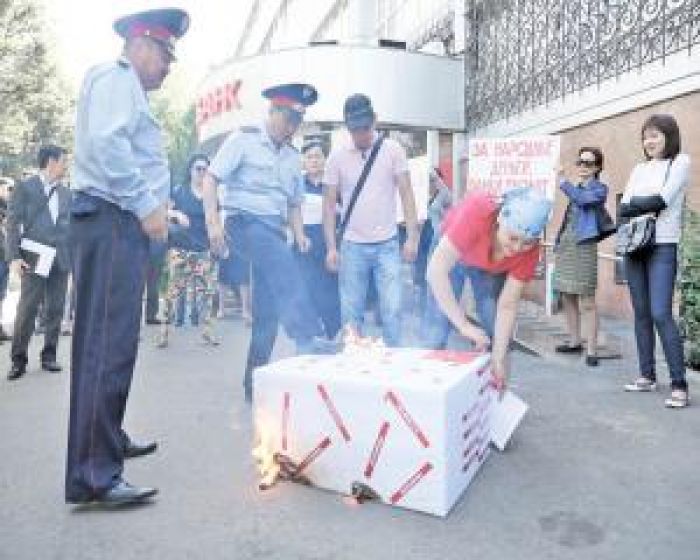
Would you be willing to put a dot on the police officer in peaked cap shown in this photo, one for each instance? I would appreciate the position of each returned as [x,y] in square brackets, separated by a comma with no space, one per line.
[122,183]
[263,190]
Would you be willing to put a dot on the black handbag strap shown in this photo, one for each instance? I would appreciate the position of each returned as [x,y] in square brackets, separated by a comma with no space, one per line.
[360,184]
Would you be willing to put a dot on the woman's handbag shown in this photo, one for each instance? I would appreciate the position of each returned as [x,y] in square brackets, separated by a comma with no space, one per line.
[636,235]
[639,233]
[605,223]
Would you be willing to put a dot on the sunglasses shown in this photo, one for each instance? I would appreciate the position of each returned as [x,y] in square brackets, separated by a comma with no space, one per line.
[585,163]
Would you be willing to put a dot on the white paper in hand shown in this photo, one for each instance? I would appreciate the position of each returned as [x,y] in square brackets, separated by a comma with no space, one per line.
[45,256]
[506,415]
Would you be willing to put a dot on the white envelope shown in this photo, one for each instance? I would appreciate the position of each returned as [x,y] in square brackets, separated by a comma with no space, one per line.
[505,417]
[46,255]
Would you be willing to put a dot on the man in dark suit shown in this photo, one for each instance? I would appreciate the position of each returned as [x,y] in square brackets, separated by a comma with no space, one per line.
[39,210]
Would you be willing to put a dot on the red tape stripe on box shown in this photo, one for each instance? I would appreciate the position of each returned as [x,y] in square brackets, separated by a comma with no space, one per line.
[410,422]
[334,413]
[285,421]
[378,445]
[419,475]
[314,454]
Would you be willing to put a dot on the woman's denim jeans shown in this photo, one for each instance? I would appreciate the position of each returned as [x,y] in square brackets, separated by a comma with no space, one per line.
[651,277]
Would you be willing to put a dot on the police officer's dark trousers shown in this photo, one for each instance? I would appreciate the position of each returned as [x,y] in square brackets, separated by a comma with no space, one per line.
[110,259]
[279,294]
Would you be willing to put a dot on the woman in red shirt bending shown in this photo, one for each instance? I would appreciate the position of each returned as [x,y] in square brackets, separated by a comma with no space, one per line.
[490,237]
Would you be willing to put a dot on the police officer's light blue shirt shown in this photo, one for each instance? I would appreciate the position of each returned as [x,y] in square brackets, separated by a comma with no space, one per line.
[257,176]
[119,153]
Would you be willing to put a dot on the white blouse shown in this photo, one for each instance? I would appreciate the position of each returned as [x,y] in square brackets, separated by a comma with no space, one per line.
[650,178]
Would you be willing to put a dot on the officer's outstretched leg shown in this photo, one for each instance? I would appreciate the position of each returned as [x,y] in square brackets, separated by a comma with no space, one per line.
[264,329]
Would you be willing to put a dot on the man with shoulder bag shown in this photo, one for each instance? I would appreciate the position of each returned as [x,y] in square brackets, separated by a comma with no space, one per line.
[369,172]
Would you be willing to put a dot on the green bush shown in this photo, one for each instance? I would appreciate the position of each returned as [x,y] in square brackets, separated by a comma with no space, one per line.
[689,285]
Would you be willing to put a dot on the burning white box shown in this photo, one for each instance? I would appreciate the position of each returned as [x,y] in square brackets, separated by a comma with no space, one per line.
[413,425]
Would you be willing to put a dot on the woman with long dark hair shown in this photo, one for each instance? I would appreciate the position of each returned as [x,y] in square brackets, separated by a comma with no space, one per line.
[191,269]
[657,187]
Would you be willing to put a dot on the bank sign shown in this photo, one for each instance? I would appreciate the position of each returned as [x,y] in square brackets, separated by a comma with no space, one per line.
[218,100]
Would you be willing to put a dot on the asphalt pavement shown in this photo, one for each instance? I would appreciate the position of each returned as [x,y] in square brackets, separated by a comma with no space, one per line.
[592,473]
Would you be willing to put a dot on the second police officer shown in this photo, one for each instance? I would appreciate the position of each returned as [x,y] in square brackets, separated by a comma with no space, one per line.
[263,190]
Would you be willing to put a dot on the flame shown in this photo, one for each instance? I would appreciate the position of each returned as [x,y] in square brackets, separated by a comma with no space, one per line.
[264,455]
[355,343]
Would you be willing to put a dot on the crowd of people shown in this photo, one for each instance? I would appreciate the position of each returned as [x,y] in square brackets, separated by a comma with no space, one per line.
[305,237]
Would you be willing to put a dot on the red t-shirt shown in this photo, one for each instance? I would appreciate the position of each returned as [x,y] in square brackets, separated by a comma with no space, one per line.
[469,227]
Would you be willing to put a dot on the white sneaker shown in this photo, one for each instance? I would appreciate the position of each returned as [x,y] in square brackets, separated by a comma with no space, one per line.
[641,385]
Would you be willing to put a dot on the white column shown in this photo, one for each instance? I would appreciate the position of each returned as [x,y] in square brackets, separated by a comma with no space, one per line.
[362,18]
[458,11]
[433,147]
[459,151]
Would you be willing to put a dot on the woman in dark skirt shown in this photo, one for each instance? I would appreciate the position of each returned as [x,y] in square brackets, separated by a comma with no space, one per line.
[322,284]
[576,253]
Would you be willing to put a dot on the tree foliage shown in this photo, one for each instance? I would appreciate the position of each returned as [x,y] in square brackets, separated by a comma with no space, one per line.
[690,287]
[35,106]
[176,115]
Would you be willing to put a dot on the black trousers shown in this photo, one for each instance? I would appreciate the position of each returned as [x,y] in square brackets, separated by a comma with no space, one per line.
[109,271]
[35,290]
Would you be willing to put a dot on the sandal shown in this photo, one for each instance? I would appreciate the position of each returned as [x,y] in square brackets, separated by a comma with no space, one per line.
[641,385]
[679,399]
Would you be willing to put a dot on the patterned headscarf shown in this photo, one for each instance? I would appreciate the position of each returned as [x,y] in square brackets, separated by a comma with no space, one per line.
[525,210]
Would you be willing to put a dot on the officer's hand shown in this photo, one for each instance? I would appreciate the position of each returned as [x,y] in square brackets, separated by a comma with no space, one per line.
[217,238]
[304,244]
[410,249]
[155,225]
[332,260]
[19,267]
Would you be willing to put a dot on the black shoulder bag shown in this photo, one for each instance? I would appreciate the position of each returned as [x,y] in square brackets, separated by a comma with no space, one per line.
[639,233]
[358,188]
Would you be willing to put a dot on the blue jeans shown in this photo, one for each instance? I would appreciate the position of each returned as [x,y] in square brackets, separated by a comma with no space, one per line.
[279,294]
[486,288]
[381,261]
[651,277]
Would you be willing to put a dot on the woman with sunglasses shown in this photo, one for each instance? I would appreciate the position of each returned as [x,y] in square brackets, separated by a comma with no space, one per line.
[657,187]
[491,238]
[191,270]
[576,254]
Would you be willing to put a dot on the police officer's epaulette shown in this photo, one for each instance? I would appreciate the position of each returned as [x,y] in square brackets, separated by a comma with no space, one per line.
[249,129]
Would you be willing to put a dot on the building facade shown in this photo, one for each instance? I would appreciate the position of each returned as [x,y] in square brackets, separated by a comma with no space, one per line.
[591,71]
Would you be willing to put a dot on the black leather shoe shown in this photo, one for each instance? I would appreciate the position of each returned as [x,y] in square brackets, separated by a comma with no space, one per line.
[592,360]
[154,321]
[17,371]
[135,450]
[123,493]
[52,366]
